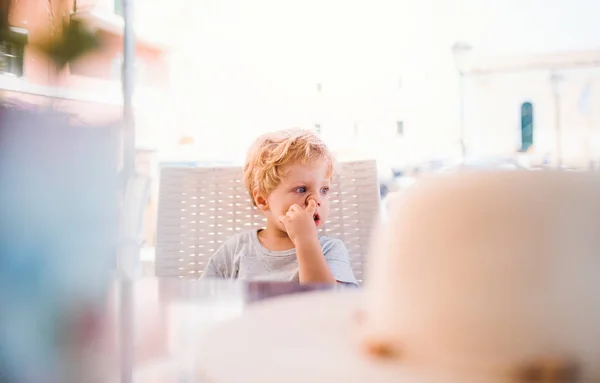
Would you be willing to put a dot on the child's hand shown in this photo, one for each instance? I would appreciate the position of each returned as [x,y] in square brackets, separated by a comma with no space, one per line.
[299,223]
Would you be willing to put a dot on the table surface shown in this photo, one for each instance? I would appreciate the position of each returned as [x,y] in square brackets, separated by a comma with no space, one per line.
[169,317]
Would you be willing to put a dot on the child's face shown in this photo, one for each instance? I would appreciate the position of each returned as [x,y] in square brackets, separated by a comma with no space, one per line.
[301,183]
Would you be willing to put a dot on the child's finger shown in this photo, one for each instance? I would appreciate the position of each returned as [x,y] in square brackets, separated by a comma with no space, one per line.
[295,207]
[312,206]
[283,219]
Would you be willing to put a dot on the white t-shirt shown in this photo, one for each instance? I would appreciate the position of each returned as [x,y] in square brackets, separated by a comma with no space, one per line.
[243,257]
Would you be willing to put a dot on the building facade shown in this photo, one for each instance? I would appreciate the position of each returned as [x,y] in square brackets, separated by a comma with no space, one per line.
[544,105]
[90,88]
[540,108]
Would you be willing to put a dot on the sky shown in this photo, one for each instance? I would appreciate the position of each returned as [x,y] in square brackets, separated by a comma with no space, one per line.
[316,39]
[533,25]
[253,65]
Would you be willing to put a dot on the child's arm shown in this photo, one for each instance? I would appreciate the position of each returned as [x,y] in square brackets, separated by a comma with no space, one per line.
[312,266]
[338,260]
[211,270]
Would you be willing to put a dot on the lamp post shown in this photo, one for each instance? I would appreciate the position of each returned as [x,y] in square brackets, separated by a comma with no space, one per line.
[555,80]
[128,254]
[460,52]
[128,85]
[318,122]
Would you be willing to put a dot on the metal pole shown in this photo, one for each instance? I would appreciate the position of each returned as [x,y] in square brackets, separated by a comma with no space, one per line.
[125,282]
[463,147]
[554,79]
[128,85]
[589,142]
[126,338]
[460,51]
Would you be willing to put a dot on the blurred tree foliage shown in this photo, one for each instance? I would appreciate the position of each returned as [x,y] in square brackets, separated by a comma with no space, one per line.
[70,39]
[73,42]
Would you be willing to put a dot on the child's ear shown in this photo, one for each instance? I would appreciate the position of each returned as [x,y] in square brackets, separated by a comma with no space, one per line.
[260,201]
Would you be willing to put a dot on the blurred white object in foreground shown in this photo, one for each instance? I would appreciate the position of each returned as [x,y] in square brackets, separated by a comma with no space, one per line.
[488,275]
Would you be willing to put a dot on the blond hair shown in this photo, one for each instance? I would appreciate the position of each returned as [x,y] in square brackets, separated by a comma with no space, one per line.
[272,152]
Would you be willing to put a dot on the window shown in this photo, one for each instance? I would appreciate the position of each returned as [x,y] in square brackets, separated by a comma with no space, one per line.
[400,128]
[526,126]
[12,51]
[119,7]
[11,58]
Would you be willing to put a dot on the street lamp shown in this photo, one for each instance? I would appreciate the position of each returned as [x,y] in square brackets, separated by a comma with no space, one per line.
[555,80]
[128,256]
[128,85]
[317,124]
[460,53]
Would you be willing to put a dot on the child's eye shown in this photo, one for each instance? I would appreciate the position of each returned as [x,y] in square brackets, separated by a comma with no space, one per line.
[324,190]
[301,189]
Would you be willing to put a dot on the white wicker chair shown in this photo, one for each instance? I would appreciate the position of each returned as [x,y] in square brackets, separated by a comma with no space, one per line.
[200,208]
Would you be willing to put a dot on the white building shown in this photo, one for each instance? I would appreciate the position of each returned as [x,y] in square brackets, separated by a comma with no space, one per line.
[560,92]
[546,105]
